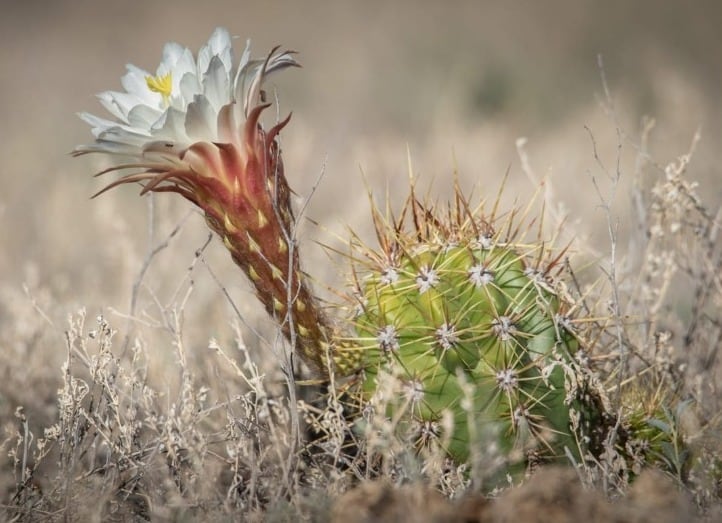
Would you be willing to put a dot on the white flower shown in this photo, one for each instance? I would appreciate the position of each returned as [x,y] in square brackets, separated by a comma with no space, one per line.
[193,128]
[186,101]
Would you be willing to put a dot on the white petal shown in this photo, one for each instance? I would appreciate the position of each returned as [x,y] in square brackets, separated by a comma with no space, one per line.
[250,80]
[238,80]
[216,86]
[172,52]
[97,123]
[123,136]
[109,100]
[186,64]
[171,126]
[135,83]
[189,88]
[245,57]
[239,110]
[177,61]
[103,146]
[120,104]
[200,121]
[162,150]
[253,85]
[222,45]
[219,44]
[143,117]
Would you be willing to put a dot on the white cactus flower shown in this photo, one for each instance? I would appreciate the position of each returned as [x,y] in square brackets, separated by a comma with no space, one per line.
[189,100]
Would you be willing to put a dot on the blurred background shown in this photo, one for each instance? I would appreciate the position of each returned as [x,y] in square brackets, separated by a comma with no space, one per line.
[455,84]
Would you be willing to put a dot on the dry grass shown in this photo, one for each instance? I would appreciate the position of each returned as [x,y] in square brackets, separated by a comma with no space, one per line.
[212,436]
[140,379]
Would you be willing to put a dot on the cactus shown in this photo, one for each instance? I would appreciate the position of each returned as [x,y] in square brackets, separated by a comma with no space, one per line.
[451,301]
[468,317]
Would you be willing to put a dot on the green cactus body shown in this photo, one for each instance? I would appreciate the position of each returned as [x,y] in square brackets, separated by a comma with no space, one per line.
[652,429]
[437,317]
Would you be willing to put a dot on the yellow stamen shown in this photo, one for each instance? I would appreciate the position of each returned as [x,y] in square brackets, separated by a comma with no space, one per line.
[161,84]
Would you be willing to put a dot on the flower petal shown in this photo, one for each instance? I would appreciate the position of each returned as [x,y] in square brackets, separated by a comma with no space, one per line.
[109,100]
[191,100]
[219,44]
[200,121]
[107,147]
[134,81]
[121,135]
[172,52]
[216,86]
[143,116]
[171,126]
[185,65]
[97,123]
[189,87]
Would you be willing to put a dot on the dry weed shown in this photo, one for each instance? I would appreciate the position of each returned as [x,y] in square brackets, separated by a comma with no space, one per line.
[230,441]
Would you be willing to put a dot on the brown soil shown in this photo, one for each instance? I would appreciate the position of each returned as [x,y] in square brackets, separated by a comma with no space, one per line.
[553,494]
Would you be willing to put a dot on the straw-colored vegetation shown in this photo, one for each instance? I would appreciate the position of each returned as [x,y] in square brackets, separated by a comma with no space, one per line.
[178,400]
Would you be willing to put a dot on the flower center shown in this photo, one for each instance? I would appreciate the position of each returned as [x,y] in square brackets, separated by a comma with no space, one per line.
[161,84]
